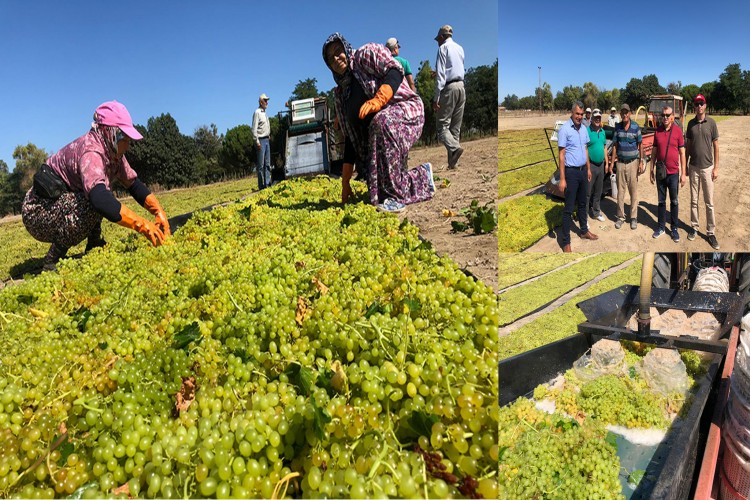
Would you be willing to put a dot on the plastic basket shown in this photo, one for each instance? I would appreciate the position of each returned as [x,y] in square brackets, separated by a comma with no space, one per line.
[741,378]
[736,422]
[736,466]
[727,491]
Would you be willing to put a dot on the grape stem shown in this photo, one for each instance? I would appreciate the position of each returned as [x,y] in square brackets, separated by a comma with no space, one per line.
[6,315]
[234,302]
[83,402]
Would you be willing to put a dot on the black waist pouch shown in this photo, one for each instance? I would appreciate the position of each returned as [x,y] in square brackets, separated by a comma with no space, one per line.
[47,184]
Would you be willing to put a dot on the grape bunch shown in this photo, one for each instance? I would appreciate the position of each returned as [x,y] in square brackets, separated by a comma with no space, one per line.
[281,346]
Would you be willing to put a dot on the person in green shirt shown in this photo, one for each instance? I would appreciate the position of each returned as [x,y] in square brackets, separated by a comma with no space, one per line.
[393,45]
[599,164]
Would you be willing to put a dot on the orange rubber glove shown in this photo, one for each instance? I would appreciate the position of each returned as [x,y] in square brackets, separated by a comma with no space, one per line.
[346,176]
[152,205]
[385,92]
[148,229]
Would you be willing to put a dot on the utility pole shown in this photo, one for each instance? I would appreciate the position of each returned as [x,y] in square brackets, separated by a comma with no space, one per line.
[540,89]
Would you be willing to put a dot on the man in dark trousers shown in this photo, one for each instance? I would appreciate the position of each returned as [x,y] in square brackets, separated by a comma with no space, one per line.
[669,150]
[575,173]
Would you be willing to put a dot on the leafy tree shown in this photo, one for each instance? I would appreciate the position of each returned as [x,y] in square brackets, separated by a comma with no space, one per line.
[238,151]
[546,96]
[590,95]
[674,88]
[3,168]
[528,102]
[305,89]
[510,102]
[707,89]
[637,92]
[745,105]
[728,94]
[608,98]
[426,87]
[208,143]
[480,110]
[564,100]
[165,156]
[688,93]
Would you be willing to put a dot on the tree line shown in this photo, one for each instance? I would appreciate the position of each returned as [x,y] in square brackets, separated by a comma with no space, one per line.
[168,159]
[729,94]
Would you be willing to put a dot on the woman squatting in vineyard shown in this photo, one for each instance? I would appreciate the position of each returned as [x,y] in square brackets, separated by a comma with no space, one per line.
[71,192]
[381,118]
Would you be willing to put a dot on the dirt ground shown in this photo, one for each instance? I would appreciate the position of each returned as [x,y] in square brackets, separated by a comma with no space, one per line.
[475,178]
[731,202]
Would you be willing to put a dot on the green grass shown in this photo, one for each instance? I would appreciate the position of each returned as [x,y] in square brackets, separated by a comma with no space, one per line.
[23,254]
[513,268]
[563,321]
[523,300]
[523,221]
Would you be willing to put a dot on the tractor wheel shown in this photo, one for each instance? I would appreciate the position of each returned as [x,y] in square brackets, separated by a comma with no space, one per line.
[744,282]
[662,276]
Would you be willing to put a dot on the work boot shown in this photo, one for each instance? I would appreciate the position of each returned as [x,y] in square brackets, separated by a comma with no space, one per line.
[566,248]
[95,239]
[55,253]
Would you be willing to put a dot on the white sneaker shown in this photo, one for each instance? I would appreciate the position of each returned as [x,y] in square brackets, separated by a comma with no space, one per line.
[600,217]
[391,206]
[428,167]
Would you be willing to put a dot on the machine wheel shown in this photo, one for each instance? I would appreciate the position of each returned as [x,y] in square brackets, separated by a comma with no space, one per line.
[743,286]
[662,276]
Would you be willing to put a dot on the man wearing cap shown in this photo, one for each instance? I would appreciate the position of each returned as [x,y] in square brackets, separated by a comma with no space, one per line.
[587,118]
[393,45]
[669,149]
[575,174]
[72,190]
[599,164]
[261,132]
[612,119]
[450,95]
[703,167]
[628,151]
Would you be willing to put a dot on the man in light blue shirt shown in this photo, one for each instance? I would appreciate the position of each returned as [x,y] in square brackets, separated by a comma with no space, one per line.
[450,95]
[575,174]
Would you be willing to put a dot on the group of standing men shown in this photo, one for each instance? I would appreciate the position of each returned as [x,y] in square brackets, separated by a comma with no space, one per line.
[448,104]
[584,162]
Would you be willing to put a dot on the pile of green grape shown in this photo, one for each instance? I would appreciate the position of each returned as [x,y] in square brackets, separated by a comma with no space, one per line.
[284,346]
[552,456]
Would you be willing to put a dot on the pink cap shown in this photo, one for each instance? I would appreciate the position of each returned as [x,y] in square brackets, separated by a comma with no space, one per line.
[115,114]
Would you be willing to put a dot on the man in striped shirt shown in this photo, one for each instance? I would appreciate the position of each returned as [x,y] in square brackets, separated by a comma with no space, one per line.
[628,151]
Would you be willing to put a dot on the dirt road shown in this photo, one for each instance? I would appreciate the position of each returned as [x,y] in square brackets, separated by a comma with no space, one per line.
[474,179]
[731,200]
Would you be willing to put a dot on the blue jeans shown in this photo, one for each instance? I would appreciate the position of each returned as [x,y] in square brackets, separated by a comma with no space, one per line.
[671,183]
[576,194]
[264,164]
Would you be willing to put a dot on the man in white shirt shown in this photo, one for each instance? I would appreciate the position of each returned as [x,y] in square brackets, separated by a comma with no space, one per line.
[450,95]
[612,120]
[261,132]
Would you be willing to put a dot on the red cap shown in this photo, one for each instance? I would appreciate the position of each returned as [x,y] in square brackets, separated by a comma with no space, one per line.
[699,98]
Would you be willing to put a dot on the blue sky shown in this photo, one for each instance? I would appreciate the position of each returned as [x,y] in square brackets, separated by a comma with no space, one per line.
[703,38]
[203,62]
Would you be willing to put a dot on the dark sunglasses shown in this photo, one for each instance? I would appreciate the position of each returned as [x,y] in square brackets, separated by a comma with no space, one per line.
[700,103]
[666,115]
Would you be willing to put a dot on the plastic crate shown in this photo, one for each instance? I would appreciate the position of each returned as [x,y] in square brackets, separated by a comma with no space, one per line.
[736,466]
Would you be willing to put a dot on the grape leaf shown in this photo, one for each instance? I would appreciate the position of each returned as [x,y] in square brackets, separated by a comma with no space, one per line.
[424,245]
[458,227]
[78,494]
[81,316]
[302,377]
[320,419]
[25,299]
[65,449]
[611,439]
[413,304]
[502,452]
[348,220]
[635,477]
[375,307]
[422,423]
[189,334]
[245,212]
